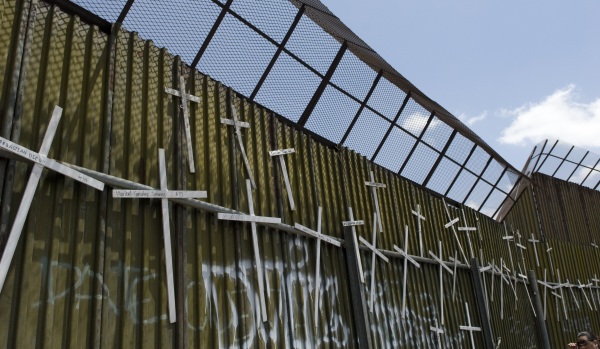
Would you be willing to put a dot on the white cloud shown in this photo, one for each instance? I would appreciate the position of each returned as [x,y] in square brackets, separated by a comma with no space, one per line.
[415,122]
[470,121]
[558,116]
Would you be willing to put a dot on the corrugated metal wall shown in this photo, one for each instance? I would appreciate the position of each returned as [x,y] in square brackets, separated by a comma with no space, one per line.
[89,269]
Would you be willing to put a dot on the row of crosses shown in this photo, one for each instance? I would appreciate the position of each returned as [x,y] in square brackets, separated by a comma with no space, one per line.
[41,161]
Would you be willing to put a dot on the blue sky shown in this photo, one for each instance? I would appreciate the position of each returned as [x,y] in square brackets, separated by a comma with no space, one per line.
[516,72]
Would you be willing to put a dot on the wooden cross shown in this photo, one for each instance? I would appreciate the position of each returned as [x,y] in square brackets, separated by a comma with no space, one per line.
[280,153]
[353,223]
[374,186]
[467,229]
[548,250]
[437,331]
[562,296]
[595,280]
[185,97]
[320,237]
[253,220]
[164,194]
[493,265]
[570,287]
[508,238]
[483,270]
[534,241]
[521,247]
[419,219]
[237,125]
[523,278]
[443,266]
[469,327]
[455,263]
[407,259]
[376,253]
[40,162]
[581,286]
[451,224]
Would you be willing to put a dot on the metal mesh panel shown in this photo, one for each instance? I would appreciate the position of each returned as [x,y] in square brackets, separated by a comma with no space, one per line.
[332,115]
[443,175]
[367,133]
[561,149]
[550,164]
[387,98]
[226,60]
[478,194]
[274,26]
[108,10]
[152,17]
[576,155]
[565,170]
[283,78]
[437,134]
[493,172]
[313,45]
[508,181]
[395,149]
[353,76]
[478,160]
[459,149]
[590,160]
[413,118]
[493,202]
[238,51]
[420,163]
[462,185]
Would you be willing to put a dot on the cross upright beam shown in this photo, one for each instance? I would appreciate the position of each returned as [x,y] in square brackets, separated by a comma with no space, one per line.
[253,220]
[164,195]
[280,153]
[40,162]
[320,237]
[443,266]
[420,218]
[237,125]
[470,328]
[376,253]
[185,97]
[374,186]
[353,223]
[407,259]
[534,241]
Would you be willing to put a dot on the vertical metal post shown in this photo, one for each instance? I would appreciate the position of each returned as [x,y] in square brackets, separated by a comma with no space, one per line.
[479,297]
[359,306]
[539,320]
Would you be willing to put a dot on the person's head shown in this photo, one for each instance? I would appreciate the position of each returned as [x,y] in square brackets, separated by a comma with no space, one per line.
[586,340]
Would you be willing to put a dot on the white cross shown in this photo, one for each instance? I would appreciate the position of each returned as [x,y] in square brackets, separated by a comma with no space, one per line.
[40,162]
[533,241]
[546,286]
[469,327]
[374,186]
[320,237]
[455,263]
[164,194]
[595,280]
[237,125]
[280,153]
[550,257]
[420,217]
[483,270]
[438,331]
[467,229]
[508,238]
[377,253]
[521,247]
[570,286]
[493,265]
[186,116]
[253,220]
[352,223]
[581,286]
[407,259]
[523,278]
[562,296]
[451,224]
[441,270]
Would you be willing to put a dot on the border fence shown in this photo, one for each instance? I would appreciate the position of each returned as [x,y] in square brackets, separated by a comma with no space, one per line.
[363,258]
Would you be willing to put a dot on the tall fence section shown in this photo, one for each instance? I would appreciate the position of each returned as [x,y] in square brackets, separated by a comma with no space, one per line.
[158,207]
